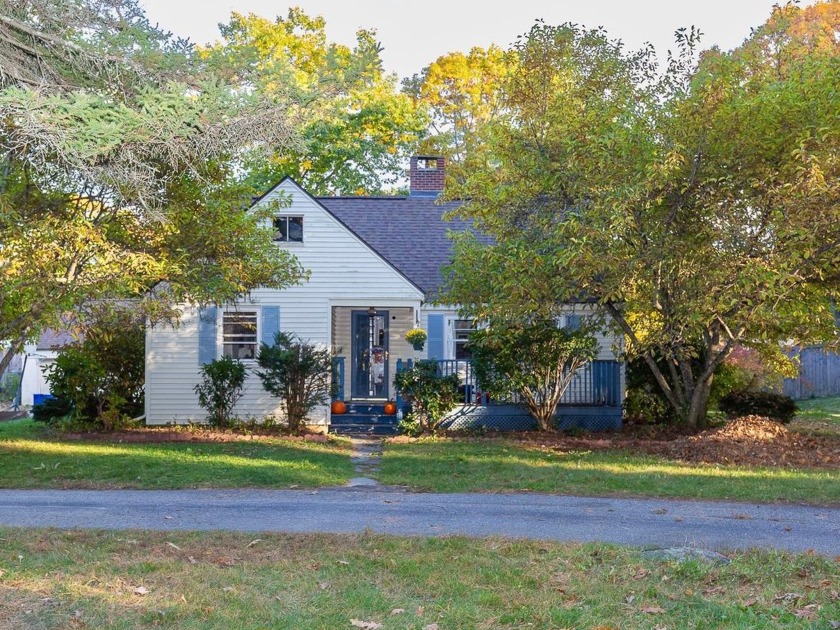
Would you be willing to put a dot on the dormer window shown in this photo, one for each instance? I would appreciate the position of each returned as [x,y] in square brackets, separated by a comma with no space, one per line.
[427,164]
[288,229]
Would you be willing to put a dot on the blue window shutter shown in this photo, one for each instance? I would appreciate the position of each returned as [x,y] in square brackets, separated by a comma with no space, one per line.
[573,322]
[270,324]
[207,335]
[435,337]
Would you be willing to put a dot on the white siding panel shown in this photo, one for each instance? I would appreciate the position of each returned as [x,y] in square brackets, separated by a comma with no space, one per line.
[342,269]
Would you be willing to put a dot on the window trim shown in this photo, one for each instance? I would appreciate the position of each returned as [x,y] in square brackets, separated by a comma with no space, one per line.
[220,341]
[287,241]
[450,343]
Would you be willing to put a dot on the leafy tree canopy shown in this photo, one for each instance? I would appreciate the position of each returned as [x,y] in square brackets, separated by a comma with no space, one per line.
[117,175]
[460,94]
[699,203]
[356,128]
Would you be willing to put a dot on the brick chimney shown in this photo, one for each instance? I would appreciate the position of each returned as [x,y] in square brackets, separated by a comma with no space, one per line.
[426,176]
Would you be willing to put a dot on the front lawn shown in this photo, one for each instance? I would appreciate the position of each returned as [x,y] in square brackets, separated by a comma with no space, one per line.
[499,465]
[818,415]
[33,457]
[133,579]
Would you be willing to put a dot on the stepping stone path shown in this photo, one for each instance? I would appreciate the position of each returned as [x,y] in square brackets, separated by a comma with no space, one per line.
[366,456]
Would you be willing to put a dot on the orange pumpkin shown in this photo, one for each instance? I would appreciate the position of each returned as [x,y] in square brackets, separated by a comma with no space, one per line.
[338,407]
[390,408]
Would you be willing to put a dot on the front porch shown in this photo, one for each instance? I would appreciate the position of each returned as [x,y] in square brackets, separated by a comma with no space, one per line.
[369,343]
[593,402]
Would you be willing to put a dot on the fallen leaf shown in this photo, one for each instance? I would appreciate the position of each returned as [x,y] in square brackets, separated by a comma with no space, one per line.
[173,545]
[397,611]
[366,625]
[788,597]
[809,612]
[419,611]
[431,626]
[652,610]
[141,590]
[343,562]
[192,560]
[254,542]
[630,599]
[228,589]
[641,574]
[714,590]
[323,585]
[749,603]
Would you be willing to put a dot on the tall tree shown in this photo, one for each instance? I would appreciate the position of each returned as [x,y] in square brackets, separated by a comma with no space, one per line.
[356,127]
[700,206]
[461,94]
[118,163]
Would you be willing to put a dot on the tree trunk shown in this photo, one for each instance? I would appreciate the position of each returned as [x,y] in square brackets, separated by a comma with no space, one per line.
[10,353]
[696,416]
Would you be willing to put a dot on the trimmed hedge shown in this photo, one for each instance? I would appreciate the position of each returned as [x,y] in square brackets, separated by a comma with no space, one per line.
[750,403]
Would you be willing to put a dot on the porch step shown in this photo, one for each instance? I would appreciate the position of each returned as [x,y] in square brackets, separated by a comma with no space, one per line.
[362,418]
[364,429]
[368,409]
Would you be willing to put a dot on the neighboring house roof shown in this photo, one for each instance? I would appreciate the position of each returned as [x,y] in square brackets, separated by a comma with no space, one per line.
[409,232]
[52,339]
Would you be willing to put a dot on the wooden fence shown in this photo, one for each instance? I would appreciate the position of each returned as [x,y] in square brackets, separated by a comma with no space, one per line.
[819,374]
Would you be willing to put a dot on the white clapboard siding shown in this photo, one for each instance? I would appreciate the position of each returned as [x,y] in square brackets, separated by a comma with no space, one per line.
[344,271]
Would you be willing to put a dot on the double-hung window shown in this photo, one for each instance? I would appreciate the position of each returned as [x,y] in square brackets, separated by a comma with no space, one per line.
[288,229]
[461,330]
[239,334]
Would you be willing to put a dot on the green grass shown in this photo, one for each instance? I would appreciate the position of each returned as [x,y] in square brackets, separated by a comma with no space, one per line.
[818,415]
[505,466]
[30,457]
[70,579]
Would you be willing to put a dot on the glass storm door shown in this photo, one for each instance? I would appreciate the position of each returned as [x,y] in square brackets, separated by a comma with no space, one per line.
[370,354]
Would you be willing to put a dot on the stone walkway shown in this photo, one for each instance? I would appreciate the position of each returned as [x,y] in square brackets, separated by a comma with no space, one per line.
[366,456]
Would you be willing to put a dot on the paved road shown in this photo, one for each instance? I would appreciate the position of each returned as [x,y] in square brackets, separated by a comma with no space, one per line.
[642,522]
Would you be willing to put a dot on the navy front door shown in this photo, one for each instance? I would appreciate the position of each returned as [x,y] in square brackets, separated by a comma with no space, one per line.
[370,354]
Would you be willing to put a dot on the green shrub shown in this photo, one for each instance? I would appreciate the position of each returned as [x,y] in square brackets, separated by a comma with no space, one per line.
[52,410]
[536,359]
[431,395]
[101,377]
[744,403]
[220,388]
[297,372]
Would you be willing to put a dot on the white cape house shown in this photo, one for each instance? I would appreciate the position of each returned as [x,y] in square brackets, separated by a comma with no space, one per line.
[375,268]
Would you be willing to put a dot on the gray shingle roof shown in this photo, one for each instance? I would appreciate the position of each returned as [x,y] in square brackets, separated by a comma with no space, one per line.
[408,232]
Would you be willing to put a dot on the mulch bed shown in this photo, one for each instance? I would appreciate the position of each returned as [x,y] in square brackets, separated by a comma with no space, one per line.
[152,435]
[747,441]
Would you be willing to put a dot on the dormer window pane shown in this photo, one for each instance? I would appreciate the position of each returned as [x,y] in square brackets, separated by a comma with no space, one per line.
[288,229]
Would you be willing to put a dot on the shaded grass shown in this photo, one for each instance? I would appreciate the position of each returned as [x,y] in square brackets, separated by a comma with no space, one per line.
[818,415]
[30,457]
[440,465]
[51,578]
